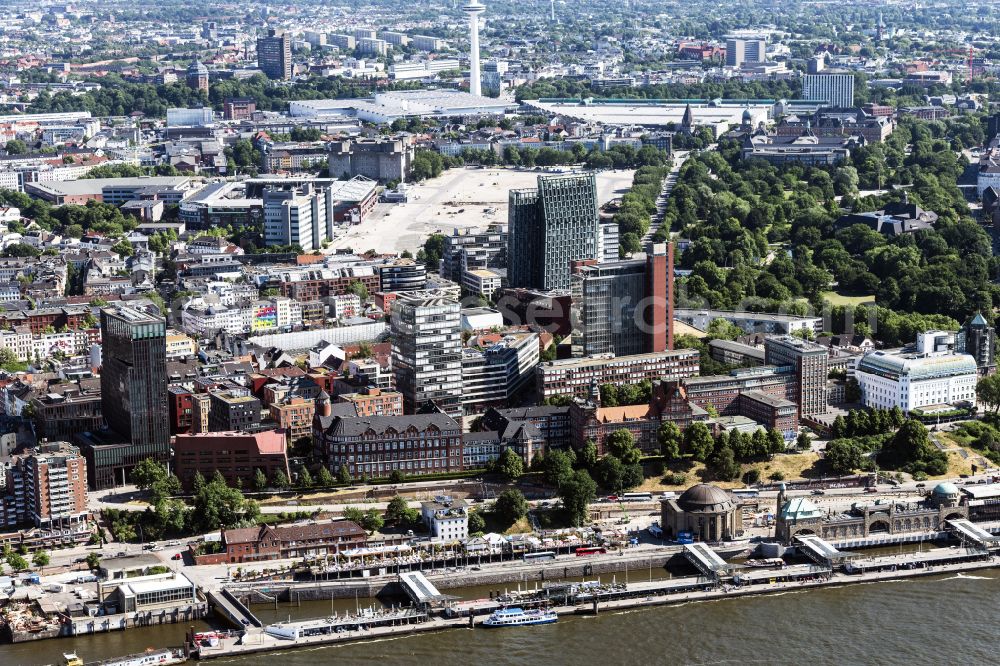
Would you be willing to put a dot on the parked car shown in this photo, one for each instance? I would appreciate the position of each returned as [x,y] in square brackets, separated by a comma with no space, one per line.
[177,556]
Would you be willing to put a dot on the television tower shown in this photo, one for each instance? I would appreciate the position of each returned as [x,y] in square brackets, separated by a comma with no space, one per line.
[474,9]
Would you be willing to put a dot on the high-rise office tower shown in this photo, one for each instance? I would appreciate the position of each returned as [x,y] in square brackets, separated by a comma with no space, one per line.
[836,89]
[427,352]
[978,339]
[274,54]
[624,307]
[133,391]
[300,216]
[658,312]
[742,51]
[474,9]
[549,227]
[809,361]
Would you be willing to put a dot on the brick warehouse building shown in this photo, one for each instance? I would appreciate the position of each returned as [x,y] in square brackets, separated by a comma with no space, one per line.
[236,455]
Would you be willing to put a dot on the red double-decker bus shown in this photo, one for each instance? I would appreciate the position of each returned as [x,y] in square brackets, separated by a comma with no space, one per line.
[590,550]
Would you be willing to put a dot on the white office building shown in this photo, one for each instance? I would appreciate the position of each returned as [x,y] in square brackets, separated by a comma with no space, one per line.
[836,89]
[745,51]
[916,380]
[297,216]
[427,352]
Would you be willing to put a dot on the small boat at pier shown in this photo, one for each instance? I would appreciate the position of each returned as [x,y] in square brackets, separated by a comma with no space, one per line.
[517,617]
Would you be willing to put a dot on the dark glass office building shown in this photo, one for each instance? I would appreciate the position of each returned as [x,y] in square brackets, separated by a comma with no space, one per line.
[133,395]
[550,227]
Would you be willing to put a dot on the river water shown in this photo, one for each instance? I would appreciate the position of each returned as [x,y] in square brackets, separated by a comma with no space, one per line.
[946,619]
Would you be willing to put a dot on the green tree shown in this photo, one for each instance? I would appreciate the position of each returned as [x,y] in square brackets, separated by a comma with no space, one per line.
[123,248]
[509,465]
[372,520]
[397,476]
[16,562]
[93,561]
[670,439]
[803,442]
[259,480]
[397,511]
[721,329]
[843,456]
[610,473]
[359,289]
[698,442]
[323,478]
[216,505]
[632,476]
[621,444]
[164,488]
[477,524]
[16,147]
[147,472]
[40,559]
[988,391]
[10,362]
[576,495]
[510,506]
[557,467]
[722,464]
[344,474]
[279,480]
[775,442]
[354,514]
[588,455]
[305,480]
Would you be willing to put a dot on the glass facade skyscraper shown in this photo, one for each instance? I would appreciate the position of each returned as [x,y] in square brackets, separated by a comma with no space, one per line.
[133,392]
[549,227]
[427,353]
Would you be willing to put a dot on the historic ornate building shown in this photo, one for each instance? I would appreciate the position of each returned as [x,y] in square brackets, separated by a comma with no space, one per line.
[800,516]
[707,512]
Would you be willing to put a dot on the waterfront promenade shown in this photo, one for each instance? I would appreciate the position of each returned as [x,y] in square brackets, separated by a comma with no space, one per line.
[656,594]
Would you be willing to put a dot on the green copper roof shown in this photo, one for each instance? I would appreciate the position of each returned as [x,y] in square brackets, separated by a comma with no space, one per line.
[800,508]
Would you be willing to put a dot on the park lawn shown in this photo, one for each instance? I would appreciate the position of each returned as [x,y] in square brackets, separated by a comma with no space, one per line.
[319,497]
[841,299]
[521,526]
[792,465]
[957,464]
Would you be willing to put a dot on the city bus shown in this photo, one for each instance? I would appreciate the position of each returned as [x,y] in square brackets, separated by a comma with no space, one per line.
[590,550]
[540,556]
[637,497]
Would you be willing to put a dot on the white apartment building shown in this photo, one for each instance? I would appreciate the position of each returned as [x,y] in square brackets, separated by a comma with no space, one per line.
[446,520]
[916,380]
[29,347]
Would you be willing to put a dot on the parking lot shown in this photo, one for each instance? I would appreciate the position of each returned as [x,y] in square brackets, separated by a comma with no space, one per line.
[459,198]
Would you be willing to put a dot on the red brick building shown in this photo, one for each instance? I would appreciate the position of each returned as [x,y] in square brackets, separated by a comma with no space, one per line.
[180,402]
[374,402]
[252,544]
[235,455]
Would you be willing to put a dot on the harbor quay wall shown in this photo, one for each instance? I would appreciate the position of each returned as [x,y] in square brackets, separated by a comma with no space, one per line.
[386,586]
[122,621]
[261,642]
[10,635]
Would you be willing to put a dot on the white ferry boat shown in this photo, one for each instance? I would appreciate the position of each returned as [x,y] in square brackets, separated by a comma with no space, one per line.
[516,617]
